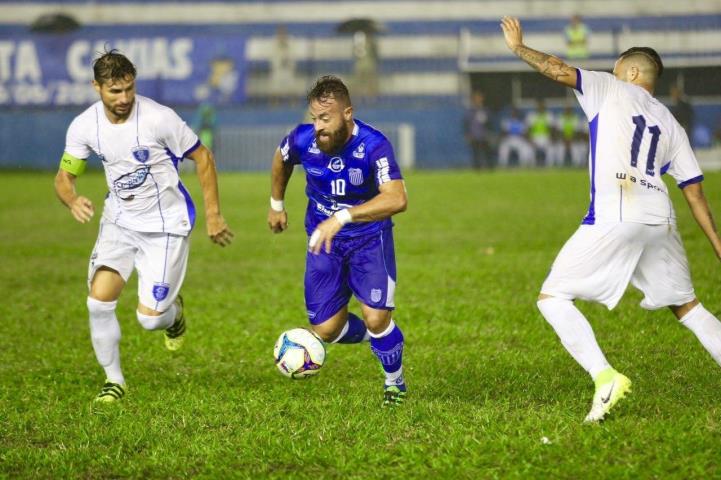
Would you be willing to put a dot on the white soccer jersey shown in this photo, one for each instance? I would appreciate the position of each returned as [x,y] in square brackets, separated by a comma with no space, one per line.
[634,139]
[140,157]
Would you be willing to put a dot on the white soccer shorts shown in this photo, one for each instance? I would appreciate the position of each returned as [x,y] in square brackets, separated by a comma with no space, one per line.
[598,261]
[160,259]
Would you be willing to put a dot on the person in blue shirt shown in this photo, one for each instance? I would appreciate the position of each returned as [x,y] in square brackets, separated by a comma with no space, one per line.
[354,186]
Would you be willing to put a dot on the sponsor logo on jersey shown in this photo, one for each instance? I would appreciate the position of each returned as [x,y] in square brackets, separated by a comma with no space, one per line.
[640,181]
[336,164]
[376,295]
[355,175]
[314,148]
[323,209]
[160,291]
[360,151]
[141,153]
[316,172]
[132,179]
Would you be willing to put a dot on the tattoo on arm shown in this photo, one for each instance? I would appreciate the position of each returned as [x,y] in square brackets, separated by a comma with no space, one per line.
[550,66]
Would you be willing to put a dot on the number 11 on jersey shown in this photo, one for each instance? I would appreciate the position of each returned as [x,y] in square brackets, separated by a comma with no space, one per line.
[640,122]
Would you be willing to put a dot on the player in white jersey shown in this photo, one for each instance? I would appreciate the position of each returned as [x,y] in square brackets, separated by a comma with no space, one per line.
[629,233]
[148,213]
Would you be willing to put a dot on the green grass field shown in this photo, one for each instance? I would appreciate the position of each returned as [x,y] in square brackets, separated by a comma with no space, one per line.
[487,377]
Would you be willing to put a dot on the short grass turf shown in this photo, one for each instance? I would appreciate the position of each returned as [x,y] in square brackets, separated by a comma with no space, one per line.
[492,392]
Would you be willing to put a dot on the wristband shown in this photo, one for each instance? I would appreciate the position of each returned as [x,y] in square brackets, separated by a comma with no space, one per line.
[343,216]
[277,205]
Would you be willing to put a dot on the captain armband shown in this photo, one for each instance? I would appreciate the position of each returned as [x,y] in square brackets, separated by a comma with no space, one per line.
[73,165]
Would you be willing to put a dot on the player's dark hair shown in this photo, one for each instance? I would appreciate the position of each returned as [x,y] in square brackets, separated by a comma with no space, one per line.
[329,87]
[647,52]
[112,65]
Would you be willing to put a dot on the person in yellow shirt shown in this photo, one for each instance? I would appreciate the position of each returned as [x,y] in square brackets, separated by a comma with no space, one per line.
[577,33]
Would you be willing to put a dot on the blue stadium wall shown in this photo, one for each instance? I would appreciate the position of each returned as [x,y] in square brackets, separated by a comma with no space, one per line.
[35,139]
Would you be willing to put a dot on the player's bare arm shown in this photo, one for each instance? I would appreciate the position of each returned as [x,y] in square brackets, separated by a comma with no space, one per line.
[548,65]
[280,176]
[392,199]
[702,213]
[80,207]
[217,229]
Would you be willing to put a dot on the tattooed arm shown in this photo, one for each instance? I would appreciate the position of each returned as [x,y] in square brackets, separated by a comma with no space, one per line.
[550,66]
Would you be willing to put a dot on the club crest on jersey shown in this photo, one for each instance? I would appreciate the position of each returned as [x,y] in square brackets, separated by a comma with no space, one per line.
[355,175]
[360,151]
[314,148]
[141,153]
[376,295]
[336,164]
[160,291]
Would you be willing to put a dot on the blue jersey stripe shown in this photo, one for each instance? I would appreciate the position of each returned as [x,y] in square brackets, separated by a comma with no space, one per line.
[188,203]
[590,218]
[691,181]
[579,83]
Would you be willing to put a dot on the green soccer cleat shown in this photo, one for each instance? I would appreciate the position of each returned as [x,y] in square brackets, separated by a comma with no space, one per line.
[111,392]
[611,387]
[393,396]
[175,334]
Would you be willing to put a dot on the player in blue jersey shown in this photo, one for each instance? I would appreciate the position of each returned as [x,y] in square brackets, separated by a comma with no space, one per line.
[353,186]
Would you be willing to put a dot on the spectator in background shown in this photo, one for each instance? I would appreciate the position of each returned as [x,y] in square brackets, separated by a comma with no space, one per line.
[513,130]
[475,127]
[577,34]
[682,110]
[365,68]
[204,124]
[716,141]
[282,66]
[573,142]
[540,131]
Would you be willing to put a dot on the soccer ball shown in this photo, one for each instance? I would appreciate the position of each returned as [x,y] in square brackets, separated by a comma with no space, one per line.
[299,353]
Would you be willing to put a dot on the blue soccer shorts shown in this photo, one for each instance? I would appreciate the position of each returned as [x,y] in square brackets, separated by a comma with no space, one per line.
[364,266]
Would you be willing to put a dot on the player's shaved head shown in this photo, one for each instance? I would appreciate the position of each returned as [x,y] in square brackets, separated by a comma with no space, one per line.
[645,59]
[329,87]
[113,65]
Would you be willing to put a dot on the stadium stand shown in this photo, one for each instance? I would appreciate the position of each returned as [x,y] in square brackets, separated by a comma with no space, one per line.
[430,54]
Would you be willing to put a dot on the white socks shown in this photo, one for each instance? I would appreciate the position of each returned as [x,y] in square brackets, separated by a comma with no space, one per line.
[159,322]
[575,333]
[105,335]
[707,329]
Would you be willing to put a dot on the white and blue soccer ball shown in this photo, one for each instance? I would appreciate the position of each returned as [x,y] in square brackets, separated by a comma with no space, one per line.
[299,353]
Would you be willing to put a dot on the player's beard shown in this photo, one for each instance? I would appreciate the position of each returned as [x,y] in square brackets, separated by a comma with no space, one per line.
[335,141]
[123,112]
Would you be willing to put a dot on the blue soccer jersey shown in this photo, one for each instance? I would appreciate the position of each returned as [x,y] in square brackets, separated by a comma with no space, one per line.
[343,180]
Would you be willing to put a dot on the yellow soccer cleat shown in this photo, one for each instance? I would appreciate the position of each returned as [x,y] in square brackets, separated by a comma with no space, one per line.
[175,334]
[611,387]
[110,393]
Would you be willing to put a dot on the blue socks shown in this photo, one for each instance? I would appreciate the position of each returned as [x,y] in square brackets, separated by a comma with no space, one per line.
[354,331]
[388,347]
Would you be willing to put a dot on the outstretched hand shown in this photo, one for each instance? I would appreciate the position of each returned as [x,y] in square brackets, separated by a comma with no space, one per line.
[512,32]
